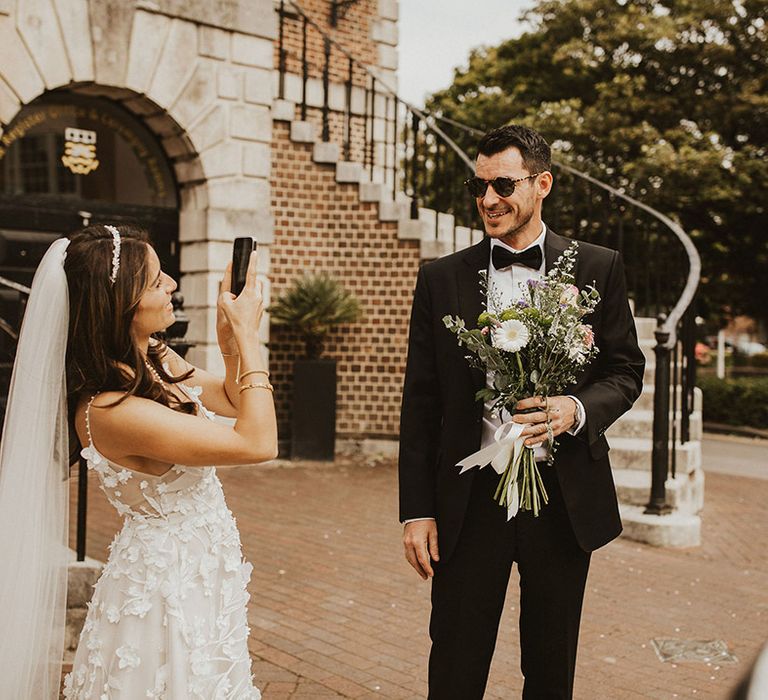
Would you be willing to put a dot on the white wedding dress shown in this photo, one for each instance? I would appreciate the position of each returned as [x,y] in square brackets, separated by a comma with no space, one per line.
[168,614]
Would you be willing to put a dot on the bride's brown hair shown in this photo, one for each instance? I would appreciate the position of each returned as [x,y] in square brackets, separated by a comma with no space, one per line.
[102,354]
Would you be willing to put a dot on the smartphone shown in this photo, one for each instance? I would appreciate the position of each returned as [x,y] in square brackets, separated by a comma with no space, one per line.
[241,254]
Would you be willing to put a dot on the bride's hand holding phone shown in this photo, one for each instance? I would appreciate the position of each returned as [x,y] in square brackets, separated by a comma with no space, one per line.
[238,318]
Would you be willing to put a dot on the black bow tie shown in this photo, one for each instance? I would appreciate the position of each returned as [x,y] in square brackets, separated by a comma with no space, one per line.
[501,257]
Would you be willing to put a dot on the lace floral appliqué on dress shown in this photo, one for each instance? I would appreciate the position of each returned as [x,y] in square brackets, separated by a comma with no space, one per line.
[168,615]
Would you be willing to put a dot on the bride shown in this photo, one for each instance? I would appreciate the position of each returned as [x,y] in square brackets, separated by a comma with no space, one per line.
[168,614]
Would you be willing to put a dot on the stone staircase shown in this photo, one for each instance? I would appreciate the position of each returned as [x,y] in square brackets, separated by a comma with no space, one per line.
[433,230]
[630,437]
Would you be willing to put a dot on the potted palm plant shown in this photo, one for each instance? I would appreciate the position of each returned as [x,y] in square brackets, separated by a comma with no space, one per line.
[313,305]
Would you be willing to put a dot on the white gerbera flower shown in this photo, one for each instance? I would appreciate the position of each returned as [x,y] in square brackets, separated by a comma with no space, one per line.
[511,335]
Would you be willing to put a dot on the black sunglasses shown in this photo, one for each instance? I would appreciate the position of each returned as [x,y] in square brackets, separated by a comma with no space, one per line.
[502,186]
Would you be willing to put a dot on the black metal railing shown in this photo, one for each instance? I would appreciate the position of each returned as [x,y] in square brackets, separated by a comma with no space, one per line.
[394,141]
[663,274]
[423,163]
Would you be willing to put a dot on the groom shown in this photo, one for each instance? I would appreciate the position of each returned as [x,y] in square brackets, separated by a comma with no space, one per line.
[454,531]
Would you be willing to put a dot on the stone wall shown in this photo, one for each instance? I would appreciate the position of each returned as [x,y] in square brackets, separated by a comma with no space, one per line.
[204,84]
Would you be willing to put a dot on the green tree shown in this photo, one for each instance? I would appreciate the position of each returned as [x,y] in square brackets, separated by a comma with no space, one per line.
[667,100]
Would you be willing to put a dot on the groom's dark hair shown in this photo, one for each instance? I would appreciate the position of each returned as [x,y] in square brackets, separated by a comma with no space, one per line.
[535,151]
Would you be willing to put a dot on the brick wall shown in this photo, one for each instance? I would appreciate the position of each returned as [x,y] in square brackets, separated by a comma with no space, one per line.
[321,225]
[353,32]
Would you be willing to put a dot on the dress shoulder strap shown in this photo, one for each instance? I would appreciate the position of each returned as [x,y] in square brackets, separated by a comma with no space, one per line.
[88,420]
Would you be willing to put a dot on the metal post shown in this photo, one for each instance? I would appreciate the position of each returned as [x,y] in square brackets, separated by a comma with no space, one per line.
[660,455]
[373,126]
[437,188]
[414,166]
[394,150]
[385,164]
[281,54]
[689,353]
[326,68]
[304,69]
[365,126]
[82,507]
[348,134]
[650,246]
[676,391]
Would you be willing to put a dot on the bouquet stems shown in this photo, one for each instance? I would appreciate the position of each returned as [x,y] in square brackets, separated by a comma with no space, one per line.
[530,485]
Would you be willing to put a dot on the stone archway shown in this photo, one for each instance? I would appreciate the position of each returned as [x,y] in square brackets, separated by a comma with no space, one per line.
[204,91]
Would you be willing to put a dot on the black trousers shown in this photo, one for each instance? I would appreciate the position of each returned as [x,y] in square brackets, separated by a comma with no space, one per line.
[468,594]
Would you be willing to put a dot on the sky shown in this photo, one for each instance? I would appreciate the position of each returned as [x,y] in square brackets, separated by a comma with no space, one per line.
[437,35]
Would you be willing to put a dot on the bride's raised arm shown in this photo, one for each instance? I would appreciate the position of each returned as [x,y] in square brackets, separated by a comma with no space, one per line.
[137,429]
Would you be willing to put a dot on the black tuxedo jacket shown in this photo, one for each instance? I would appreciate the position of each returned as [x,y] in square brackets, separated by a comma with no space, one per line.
[441,421]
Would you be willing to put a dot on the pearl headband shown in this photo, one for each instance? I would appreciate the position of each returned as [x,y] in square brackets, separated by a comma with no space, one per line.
[115,252]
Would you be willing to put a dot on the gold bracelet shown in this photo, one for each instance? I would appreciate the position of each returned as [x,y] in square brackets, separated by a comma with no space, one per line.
[258,385]
[230,354]
[252,371]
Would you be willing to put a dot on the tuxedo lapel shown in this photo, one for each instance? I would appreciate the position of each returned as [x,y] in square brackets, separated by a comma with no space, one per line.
[471,297]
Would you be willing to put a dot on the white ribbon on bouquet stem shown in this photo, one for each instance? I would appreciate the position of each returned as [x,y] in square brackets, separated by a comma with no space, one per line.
[507,446]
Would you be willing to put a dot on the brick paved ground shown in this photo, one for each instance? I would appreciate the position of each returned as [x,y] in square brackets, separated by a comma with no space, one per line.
[337,613]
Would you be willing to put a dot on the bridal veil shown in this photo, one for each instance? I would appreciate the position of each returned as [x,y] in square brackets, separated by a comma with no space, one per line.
[34,493]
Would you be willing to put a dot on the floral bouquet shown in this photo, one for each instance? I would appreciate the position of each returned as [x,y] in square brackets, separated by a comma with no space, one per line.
[535,347]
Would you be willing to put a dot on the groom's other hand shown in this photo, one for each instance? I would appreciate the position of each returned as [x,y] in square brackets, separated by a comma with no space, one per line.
[561,411]
[420,543]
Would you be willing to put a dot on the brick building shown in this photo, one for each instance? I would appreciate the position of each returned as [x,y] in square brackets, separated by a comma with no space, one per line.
[166,115]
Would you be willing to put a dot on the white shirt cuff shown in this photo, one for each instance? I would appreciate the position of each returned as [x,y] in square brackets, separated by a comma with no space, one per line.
[414,520]
[576,429]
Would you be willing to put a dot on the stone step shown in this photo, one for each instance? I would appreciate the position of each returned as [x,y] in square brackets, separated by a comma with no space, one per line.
[412,229]
[82,576]
[647,345]
[373,192]
[645,401]
[432,248]
[394,211]
[638,423]
[303,132]
[328,153]
[645,327]
[283,110]
[673,530]
[349,172]
[649,373]
[685,492]
[635,453]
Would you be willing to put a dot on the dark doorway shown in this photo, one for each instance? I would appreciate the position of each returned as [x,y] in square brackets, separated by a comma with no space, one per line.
[67,161]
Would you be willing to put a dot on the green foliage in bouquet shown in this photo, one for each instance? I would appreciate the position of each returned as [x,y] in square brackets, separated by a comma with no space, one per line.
[314,305]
